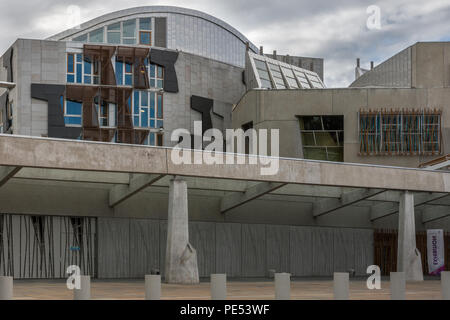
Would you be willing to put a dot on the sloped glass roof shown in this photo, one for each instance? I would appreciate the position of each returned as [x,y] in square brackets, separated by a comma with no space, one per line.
[274,74]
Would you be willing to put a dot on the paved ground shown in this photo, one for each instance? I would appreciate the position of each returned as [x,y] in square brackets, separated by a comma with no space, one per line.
[260,290]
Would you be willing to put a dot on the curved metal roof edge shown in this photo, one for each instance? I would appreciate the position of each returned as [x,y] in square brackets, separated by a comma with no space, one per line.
[151,9]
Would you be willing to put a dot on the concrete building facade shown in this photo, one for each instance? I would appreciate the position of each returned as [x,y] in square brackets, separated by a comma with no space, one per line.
[86,175]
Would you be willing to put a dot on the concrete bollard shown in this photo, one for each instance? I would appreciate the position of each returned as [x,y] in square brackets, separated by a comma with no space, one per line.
[219,286]
[445,285]
[6,288]
[398,285]
[341,286]
[282,286]
[84,293]
[153,287]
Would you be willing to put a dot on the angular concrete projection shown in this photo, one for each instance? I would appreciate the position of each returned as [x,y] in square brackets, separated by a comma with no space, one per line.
[386,209]
[432,213]
[237,199]
[137,183]
[329,205]
[7,173]
[408,257]
[181,257]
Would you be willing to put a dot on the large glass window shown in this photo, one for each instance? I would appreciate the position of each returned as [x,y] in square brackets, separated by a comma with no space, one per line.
[96,36]
[400,132]
[129,32]
[148,109]
[154,139]
[106,113]
[81,70]
[304,83]
[263,73]
[155,74]
[314,80]
[145,34]
[113,33]
[322,137]
[276,75]
[124,72]
[72,112]
[290,78]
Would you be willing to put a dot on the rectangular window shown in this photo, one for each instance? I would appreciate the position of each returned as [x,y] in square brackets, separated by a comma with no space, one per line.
[113,35]
[400,132]
[80,70]
[148,109]
[155,74]
[73,112]
[289,75]
[322,137]
[129,31]
[145,38]
[301,77]
[263,74]
[124,72]
[154,139]
[96,36]
[276,75]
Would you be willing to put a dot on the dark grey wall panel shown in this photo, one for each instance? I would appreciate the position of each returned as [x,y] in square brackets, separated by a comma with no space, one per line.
[254,250]
[161,32]
[113,248]
[301,249]
[202,236]
[204,106]
[323,251]
[363,244]
[278,248]
[166,59]
[52,94]
[4,111]
[144,247]
[344,251]
[228,249]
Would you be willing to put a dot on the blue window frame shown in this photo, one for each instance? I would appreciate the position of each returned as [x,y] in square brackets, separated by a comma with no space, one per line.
[124,73]
[155,74]
[80,70]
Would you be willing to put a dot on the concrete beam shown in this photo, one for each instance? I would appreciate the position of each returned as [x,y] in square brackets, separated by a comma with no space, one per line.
[37,152]
[386,209]
[329,205]
[432,213]
[438,166]
[237,199]
[7,173]
[138,182]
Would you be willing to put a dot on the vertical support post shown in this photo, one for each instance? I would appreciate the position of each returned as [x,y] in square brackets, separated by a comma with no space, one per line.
[84,293]
[398,286]
[445,285]
[6,288]
[341,286]
[408,257]
[181,257]
[219,286]
[282,286]
[153,287]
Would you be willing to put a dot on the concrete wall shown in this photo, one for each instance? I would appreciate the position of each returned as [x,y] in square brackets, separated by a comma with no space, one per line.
[423,65]
[132,248]
[207,78]
[263,108]
[394,72]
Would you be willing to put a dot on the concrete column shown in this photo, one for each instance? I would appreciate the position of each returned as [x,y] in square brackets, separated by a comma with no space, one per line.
[445,283]
[84,293]
[341,286]
[181,257]
[408,257]
[218,286]
[153,287]
[6,288]
[282,286]
[398,285]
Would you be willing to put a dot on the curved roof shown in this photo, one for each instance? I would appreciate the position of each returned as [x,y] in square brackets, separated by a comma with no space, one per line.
[65,35]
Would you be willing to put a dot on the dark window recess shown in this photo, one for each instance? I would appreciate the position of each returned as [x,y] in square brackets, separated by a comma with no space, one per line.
[245,127]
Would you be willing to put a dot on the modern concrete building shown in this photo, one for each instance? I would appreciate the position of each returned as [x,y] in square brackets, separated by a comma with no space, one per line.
[87,177]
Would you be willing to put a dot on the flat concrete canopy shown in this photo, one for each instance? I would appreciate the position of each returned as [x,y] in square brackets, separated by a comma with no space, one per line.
[46,176]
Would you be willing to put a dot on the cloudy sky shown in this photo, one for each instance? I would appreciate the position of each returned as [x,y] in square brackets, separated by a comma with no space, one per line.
[334,30]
